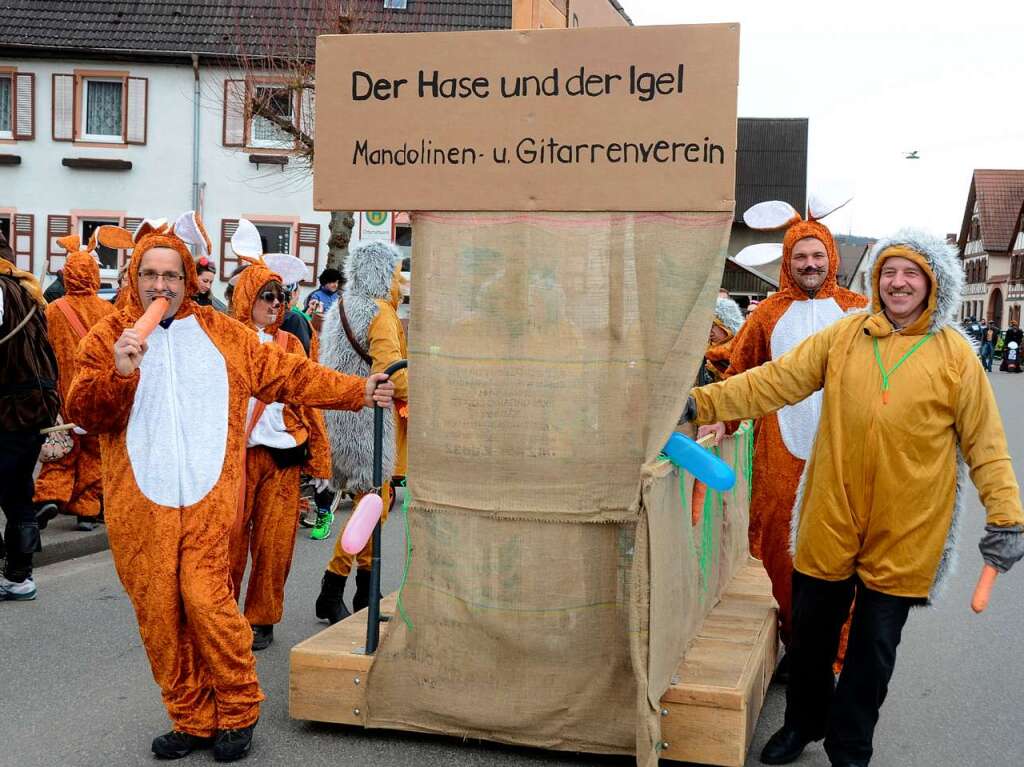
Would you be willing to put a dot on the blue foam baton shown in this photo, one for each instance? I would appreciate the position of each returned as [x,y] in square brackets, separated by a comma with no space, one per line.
[701,463]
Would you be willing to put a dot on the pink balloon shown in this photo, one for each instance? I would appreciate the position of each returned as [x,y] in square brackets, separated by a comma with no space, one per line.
[360,525]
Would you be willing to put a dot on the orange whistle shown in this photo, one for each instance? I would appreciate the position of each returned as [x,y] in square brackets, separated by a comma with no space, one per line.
[151,317]
[984,588]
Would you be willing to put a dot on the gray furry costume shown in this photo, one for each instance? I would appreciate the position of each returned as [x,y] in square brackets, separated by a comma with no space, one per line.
[369,271]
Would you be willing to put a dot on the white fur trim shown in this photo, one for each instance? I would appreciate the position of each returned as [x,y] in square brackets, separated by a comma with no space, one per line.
[759,254]
[246,240]
[774,214]
[178,428]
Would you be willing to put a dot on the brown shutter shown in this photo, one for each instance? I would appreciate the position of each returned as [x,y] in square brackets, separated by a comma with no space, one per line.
[56,226]
[24,106]
[63,111]
[138,104]
[234,113]
[228,259]
[24,241]
[309,250]
[131,223]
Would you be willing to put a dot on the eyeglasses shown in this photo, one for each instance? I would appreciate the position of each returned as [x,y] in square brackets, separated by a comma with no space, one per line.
[171,278]
[271,295]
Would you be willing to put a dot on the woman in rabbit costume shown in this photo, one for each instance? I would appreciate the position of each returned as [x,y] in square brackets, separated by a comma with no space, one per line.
[72,484]
[282,439]
[809,299]
[172,470]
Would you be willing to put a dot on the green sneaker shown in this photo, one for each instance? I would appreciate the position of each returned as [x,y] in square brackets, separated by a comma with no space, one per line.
[322,528]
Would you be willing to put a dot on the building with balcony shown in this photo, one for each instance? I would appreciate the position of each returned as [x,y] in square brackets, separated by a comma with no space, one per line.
[986,241]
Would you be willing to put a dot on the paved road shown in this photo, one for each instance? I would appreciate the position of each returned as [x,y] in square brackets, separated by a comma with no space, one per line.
[75,687]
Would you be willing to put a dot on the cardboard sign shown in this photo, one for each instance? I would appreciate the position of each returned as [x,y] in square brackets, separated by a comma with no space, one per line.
[637,119]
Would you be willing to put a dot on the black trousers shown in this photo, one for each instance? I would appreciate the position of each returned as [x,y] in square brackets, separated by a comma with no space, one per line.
[18,454]
[845,714]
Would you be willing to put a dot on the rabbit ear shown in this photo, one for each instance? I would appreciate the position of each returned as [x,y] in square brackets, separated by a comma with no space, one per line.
[150,226]
[114,237]
[290,268]
[189,228]
[820,205]
[246,240]
[760,254]
[774,214]
[71,243]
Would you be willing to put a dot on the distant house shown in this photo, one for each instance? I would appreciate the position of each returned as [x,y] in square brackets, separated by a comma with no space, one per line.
[986,241]
[1015,289]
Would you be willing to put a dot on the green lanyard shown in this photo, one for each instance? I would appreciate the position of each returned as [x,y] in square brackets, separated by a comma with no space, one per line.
[887,373]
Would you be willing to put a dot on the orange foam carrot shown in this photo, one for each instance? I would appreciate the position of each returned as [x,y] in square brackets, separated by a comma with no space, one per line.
[984,588]
[151,317]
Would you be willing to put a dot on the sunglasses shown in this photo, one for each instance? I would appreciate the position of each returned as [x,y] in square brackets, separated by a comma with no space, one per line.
[272,295]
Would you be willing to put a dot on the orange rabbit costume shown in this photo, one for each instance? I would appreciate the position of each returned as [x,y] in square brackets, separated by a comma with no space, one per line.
[172,438]
[269,516]
[783,440]
[73,482]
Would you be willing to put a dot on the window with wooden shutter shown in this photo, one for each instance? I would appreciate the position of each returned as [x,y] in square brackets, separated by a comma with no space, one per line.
[24,241]
[56,227]
[228,259]
[131,223]
[63,112]
[234,129]
[138,98]
[24,103]
[309,250]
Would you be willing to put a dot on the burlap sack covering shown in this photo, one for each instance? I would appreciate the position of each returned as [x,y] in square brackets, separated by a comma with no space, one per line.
[550,357]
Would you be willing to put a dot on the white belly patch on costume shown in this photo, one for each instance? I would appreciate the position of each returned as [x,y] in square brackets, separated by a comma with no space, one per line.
[178,429]
[799,423]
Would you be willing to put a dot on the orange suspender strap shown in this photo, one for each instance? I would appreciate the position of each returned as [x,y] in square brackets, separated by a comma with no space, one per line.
[257,412]
[73,319]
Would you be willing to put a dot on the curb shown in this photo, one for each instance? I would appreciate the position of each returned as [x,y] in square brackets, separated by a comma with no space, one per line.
[61,541]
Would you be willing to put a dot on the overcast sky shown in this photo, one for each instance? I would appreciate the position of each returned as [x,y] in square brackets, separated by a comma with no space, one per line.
[877,79]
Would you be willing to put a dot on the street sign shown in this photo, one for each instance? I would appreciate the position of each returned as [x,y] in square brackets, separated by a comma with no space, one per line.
[376,225]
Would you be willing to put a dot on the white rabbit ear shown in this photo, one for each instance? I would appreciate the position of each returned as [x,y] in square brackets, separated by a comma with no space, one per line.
[157,225]
[820,205]
[290,268]
[189,228]
[774,214]
[246,240]
[760,254]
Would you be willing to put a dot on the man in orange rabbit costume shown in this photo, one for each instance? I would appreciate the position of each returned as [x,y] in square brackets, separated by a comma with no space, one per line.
[809,299]
[281,440]
[170,411]
[72,484]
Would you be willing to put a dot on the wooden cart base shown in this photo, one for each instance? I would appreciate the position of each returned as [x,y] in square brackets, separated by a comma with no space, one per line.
[709,713]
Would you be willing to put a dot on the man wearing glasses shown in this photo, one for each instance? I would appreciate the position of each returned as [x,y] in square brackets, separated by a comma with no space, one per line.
[171,410]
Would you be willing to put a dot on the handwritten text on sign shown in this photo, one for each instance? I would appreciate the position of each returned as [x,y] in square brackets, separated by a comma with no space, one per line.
[603,119]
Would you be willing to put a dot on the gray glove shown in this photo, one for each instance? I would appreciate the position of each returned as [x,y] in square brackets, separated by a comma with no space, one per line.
[1002,547]
[689,411]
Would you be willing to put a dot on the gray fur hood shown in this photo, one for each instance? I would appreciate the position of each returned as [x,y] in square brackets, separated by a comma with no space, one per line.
[728,313]
[370,269]
[943,260]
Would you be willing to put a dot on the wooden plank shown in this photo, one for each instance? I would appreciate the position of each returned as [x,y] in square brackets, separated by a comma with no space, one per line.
[329,671]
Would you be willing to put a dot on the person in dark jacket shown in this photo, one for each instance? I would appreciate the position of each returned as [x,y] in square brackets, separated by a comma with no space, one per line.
[207,272]
[56,289]
[1015,335]
[325,296]
[28,402]
[989,339]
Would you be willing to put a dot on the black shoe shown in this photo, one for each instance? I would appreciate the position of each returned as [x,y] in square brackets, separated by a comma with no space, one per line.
[177,745]
[262,636]
[362,595]
[784,746]
[45,512]
[86,524]
[330,604]
[232,745]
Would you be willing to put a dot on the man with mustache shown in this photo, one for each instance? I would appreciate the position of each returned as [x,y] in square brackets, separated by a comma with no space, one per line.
[173,464]
[809,299]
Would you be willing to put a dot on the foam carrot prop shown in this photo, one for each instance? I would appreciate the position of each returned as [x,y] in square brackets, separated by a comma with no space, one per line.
[983,590]
[361,524]
[151,317]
